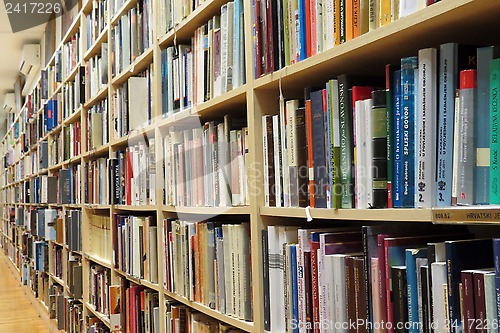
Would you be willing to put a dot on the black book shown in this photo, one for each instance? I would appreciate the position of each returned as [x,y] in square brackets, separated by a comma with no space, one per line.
[52,189]
[44,155]
[319,150]
[64,188]
[113,181]
[379,148]
[426,319]
[265,279]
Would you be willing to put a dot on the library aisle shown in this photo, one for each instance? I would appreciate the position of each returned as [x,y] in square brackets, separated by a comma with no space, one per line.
[17,314]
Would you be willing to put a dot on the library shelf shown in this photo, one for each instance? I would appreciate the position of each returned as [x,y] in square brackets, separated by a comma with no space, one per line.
[59,244]
[100,95]
[72,118]
[56,167]
[134,136]
[137,66]
[86,7]
[176,118]
[100,261]
[72,74]
[97,152]
[228,102]
[138,281]
[95,48]
[426,27]
[57,280]
[184,30]
[56,129]
[129,4]
[135,208]
[96,206]
[212,211]
[100,316]
[241,324]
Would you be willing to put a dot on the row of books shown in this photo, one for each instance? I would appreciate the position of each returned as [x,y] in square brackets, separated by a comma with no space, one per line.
[352,144]
[70,55]
[134,308]
[97,125]
[57,253]
[376,275]
[98,235]
[180,318]
[209,263]
[131,36]
[96,21]
[212,159]
[211,65]
[173,11]
[286,32]
[98,292]
[96,181]
[135,246]
[132,175]
[63,188]
[71,141]
[96,73]
[74,93]
[132,105]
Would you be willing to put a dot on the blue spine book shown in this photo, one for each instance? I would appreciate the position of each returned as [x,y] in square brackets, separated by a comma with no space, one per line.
[238,8]
[446,116]
[411,278]
[496,258]
[397,178]
[295,292]
[408,127]
[302,30]
[482,124]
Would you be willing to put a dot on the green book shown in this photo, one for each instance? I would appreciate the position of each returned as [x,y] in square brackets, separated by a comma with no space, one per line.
[494,144]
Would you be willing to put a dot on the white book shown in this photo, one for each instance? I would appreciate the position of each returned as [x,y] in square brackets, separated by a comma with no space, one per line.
[439,279]
[339,290]
[329,28]
[303,246]
[360,131]
[368,152]
[407,7]
[277,160]
[284,127]
[456,145]
[266,160]
[240,138]
[425,192]
[228,270]
[372,14]
[329,290]
[152,171]
[224,167]
[319,25]
[138,101]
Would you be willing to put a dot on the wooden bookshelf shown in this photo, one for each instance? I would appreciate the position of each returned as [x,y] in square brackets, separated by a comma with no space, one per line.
[447,20]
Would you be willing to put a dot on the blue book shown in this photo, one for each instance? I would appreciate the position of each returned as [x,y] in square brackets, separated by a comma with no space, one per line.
[302,30]
[328,144]
[397,177]
[482,124]
[411,278]
[319,156]
[295,292]
[408,127]
[237,40]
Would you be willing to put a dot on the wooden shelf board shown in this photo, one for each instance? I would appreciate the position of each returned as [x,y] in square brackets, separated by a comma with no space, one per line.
[391,214]
[99,315]
[177,118]
[57,280]
[97,152]
[135,208]
[101,94]
[95,48]
[129,4]
[138,281]
[72,74]
[136,67]
[96,206]
[100,261]
[74,117]
[243,210]
[186,28]
[238,323]
[220,105]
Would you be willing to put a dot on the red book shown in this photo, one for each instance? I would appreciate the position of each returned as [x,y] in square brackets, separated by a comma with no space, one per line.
[480,300]
[468,301]
[128,177]
[308,28]
[314,285]
[270,39]
[257,41]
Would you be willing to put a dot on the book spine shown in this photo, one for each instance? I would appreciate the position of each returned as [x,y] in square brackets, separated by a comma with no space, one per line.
[444,165]
[310,147]
[468,302]
[346,144]
[480,303]
[494,138]
[496,260]
[466,163]
[318,137]
[482,127]
[265,278]
[407,134]
[389,100]
[380,145]
[400,299]
[314,284]
[294,292]
[456,135]
[426,120]
[397,183]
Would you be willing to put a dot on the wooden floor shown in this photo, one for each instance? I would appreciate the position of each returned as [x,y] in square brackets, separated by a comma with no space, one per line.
[17,314]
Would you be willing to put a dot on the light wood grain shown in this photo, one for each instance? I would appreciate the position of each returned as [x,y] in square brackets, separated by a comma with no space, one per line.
[17,313]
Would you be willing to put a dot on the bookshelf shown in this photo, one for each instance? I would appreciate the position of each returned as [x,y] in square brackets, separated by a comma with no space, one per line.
[447,20]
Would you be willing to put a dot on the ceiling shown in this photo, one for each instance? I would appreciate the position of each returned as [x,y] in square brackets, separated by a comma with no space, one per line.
[11,45]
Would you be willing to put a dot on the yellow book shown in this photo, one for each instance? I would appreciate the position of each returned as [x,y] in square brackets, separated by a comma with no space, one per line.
[385,12]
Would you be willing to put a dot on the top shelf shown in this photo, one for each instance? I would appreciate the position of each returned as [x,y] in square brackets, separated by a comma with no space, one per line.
[464,21]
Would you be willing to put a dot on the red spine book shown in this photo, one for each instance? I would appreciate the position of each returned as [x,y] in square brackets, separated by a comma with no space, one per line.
[314,285]
[308,28]
[257,36]
[270,39]
[468,301]
[480,301]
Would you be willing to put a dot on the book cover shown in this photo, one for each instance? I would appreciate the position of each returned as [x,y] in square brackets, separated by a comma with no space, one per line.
[413,291]
[494,138]
[397,144]
[379,142]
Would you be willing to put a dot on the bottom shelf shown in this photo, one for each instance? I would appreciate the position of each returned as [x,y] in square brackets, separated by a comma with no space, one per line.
[241,324]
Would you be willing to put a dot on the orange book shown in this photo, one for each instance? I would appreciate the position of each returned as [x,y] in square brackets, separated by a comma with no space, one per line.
[356,16]
[336,23]
[310,164]
[349,22]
